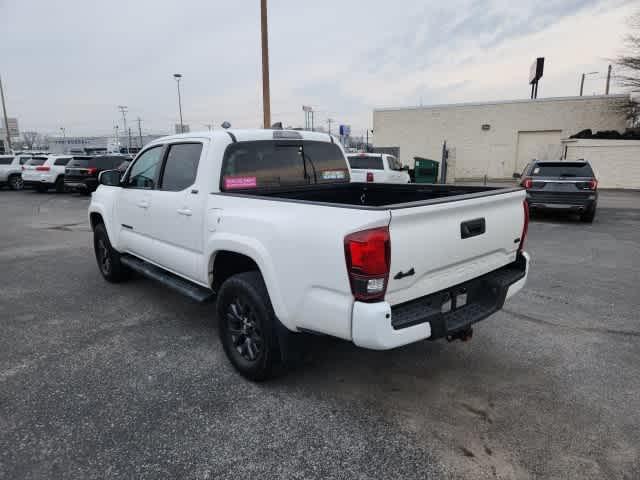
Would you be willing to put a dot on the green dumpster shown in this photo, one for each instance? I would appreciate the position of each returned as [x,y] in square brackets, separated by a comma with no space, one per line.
[425,170]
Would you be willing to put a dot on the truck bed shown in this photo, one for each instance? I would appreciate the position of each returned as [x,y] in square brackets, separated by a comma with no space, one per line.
[375,195]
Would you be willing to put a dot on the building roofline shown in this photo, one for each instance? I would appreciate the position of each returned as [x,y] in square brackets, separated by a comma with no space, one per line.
[502,102]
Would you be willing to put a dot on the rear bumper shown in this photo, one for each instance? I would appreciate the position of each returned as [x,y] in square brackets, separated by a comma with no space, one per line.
[562,202]
[84,185]
[379,326]
[33,183]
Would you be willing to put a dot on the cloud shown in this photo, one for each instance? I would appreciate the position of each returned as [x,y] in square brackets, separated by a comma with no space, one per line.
[70,64]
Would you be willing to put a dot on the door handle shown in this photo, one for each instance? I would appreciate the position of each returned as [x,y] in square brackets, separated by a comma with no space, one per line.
[472,228]
[143,204]
[184,211]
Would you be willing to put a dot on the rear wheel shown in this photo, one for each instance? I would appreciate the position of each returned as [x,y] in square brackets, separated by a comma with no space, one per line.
[59,184]
[15,182]
[247,326]
[108,258]
[588,216]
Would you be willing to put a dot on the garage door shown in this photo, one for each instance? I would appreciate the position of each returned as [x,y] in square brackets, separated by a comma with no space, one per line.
[540,145]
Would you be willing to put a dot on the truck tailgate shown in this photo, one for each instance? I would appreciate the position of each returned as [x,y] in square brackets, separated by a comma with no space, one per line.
[440,245]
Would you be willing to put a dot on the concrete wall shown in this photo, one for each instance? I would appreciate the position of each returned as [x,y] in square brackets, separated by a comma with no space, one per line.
[617,162]
[518,131]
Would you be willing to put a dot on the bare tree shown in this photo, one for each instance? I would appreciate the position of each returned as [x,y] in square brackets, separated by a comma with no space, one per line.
[629,77]
[629,62]
[30,139]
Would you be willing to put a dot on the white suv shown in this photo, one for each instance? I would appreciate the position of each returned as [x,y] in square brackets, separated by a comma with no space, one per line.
[45,172]
[11,170]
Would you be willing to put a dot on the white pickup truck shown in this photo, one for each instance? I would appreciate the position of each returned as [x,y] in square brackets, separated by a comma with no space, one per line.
[377,168]
[268,223]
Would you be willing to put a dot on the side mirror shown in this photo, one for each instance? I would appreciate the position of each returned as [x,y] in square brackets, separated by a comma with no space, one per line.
[516,175]
[110,178]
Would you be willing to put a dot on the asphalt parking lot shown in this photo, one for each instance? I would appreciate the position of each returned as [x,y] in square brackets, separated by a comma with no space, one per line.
[130,381]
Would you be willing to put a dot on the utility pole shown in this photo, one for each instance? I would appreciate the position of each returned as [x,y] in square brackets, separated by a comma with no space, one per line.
[6,120]
[64,139]
[129,149]
[123,110]
[140,131]
[329,122]
[209,126]
[606,90]
[266,96]
[117,139]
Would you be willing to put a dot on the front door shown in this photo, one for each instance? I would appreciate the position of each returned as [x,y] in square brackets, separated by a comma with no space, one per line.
[135,200]
[177,213]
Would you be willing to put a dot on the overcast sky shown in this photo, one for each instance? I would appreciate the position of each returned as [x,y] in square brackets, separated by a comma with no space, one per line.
[70,63]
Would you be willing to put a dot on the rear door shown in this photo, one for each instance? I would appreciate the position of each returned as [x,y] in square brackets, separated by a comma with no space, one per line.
[557,182]
[449,243]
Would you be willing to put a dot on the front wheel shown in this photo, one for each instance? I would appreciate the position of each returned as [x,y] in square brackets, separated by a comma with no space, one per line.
[108,258]
[247,326]
[16,183]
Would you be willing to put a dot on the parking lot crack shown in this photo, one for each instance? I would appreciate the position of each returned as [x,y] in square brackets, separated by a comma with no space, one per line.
[608,331]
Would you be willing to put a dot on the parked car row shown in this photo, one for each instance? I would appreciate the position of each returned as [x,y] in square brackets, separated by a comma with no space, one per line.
[59,172]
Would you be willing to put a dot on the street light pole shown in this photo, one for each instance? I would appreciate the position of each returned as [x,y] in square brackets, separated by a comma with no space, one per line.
[178,76]
[6,120]
[266,96]
[582,80]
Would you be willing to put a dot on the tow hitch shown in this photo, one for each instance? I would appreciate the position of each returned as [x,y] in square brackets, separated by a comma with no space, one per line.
[463,335]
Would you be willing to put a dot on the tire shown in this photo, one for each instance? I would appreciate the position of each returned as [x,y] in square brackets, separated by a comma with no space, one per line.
[247,326]
[588,216]
[59,185]
[40,188]
[108,258]
[16,182]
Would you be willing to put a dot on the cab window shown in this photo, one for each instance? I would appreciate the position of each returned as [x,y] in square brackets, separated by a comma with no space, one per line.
[145,170]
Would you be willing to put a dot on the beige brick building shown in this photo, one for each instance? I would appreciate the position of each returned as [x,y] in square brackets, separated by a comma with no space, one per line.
[494,139]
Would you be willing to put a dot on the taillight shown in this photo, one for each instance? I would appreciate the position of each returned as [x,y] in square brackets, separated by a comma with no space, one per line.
[369,176]
[527,183]
[525,227]
[593,184]
[368,256]
[91,170]
[42,168]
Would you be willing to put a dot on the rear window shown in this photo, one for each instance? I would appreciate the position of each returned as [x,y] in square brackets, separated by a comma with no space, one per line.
[24,160]
[36,161]
[262,164]
[103,163]
[366,162]
[79,162]
[561,169]
[6,160]
[61,161]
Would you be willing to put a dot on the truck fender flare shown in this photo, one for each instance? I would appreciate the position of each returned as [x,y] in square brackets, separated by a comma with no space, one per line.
[256,251]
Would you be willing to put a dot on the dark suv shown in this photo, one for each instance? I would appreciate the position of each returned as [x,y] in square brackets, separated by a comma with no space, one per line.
[81,173]
[569,186]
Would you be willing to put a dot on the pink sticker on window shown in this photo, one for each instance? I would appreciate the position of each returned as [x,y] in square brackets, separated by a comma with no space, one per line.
[231,183]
